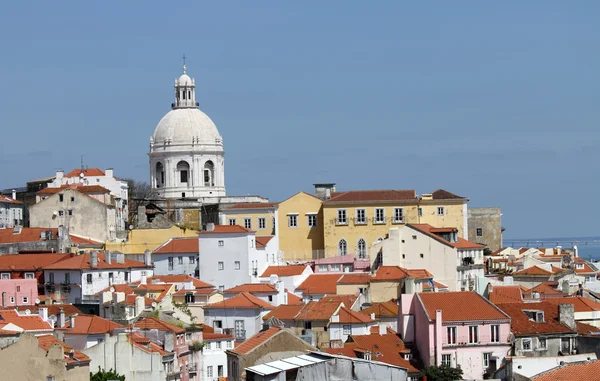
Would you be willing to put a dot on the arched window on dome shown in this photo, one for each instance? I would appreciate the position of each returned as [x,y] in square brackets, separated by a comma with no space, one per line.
[361,248]
[184,169]
[342,247]
[160,175]
[209,174]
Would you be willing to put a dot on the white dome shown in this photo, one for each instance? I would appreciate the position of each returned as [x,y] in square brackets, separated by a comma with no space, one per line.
[184,80]
[186,125]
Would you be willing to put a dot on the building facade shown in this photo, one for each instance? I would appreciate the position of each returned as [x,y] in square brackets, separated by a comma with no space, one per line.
[300,224]
[11,211]
[485,227]
[177,256]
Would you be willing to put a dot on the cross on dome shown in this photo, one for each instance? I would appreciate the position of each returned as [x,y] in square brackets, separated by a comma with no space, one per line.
[184,60]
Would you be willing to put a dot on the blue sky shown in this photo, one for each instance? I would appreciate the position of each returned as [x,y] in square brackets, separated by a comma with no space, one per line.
[496,101]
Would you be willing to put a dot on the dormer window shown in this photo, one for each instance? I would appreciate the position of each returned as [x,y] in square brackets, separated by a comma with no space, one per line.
[579,265]
[536,316]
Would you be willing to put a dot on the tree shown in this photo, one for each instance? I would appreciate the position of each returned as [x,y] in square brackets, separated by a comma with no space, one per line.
[102,375]
[139,192]
[442,373]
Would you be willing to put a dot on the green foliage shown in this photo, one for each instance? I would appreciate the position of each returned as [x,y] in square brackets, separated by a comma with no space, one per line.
[101,375]
[197,346]
[487,251]
[442,373]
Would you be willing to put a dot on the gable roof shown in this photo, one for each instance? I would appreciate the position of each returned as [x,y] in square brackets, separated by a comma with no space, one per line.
[356,278]
[430,231]
[545,288]
[82,262]
[262,241]
[580,304]
[180,279]
[149,323]
[7,200]
[85,189]
[397,273]
[31,262]
[382,309]
[71,355]
[321,310]
[90,325]
[241,300]
[179,245]
[86,172]
[347,299]
[581,371]
[26,322]
[521,324]
[253,205]
[293,299]
[319,284]
[291,270]
[348,316]
[227,229]
[506,294]
[259,288]
[361,196]
[459,306]
[285,312]
[256,340]
[442,194]
[536,270]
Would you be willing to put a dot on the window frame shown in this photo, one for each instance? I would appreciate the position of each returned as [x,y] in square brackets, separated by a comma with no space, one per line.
[262,223]
[358,219]
[479,232]
[232,221]
[342,249]
[89,278]
[540,342]
[376,219]
[396,220]
[449,359]
[311,220]
[342,217]
[486,361]
[292,220]
[237,265]
[528,340]
[346,329]
[220,265]
[29,275]
[441,211]
[361,248]
[419,211]
[451,333]
[473,334]
[494,333]
[248,222]
[221,243]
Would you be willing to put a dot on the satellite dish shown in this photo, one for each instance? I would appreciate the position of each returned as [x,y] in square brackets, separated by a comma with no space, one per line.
[81,174]
[37,300]
[27,312]
[130,227]
[153,304]
[52,318]
[112,289]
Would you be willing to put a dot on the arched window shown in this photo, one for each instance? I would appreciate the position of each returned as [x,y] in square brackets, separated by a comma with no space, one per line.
[160,175]
[184,170]
[342,247]
[209,174]
[361,248]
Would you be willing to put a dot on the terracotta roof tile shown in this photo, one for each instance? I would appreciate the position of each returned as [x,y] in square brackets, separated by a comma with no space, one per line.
[521,324]
[83,241]
[154,323]
[319,284]
[397,273]
[82,262]
[91,325]
[460,306]
[347,316]
[7,200]
[146,344]
[586,371]
[383,309]
[506,294]
[71,355]
[372,196]
[580,303]
[163,290]
[53,309]
[86,172]
[545,288]
[32,262]
[347,299]
[536,270]
[441,194]
[25,322]
[256,340]
[26,235]
[320,310]
[259,288]
[460,244]
[293,299]
[254,205]
[586,329]
[241,300]
[262,241]
[358,278]
[285,312]
[85,189]
[179,245]
[438,285]
[180,279]
[292,270]
[227,229]
[216,336]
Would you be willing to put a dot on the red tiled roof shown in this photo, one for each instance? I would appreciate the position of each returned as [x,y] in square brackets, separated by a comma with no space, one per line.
[347,299]
[254,205]
[26,322]
[545,288]
[284,270]
[83,241]
[358,278]
[319,284]
[383,309]
[347,316]
[396,273]
[53,309]
[178,245]
[227,229]
[146,344]
[321,310]
[521,324]
[180,279]
[262,241]
[241,300]
[460,244]
[536,270]
[584,371]
[586,329]
[71,355]
[82,262]
[91,325]
[216,336]
[26,235]
[32,262]
[506,294]
[252,288]
[293,299]
[441,194]
[78,187]
[127,289]
[372,196]
[86,172]
[438,285]
[459,306]
[580,303]
[256,340]
[154,323]
[7,200]
[285,312]
[164,290]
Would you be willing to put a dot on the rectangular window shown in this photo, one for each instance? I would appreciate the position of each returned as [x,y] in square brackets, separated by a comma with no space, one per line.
[420,212]
[221,266]
[29,275]
[5,276]
[25,300]
[229,345]
[262,223]
[479,232]
[209,371]
[292,220]
[398,215]
[446,360]
[183,176]
[12,300]
[232,221]
[335,268]
[347,329]
[311,220]
[440,211]
[170,263]
[273,221]
[486,359]
[526,344]
[180,260]
[18,288]
[542,343]
[323,268]
[218,344]
[451,335]
[361,216]
[70,212]
[61,213]
[473,334]
[67,278]
[237,265]
[72,198]
[220,371]
[495,333]
[51,276]
[342,218]
[61,197]
[379,215]
[192,259]
[248,223]
[221,243]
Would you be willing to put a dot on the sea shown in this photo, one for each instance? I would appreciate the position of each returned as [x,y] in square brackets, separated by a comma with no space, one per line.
[588,247]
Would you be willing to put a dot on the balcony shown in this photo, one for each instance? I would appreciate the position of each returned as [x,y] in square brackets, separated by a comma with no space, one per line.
[192,368]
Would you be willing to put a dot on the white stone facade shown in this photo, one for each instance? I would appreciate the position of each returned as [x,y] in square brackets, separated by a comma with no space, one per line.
[186,149]
[11,212]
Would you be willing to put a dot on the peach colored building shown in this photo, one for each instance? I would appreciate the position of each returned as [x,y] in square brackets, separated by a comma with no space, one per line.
[18,292]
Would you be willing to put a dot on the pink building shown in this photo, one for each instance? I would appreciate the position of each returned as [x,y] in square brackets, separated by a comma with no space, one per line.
[457,329]
[18,292]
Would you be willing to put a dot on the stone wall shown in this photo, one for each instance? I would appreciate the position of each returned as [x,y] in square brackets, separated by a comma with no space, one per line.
[489,220]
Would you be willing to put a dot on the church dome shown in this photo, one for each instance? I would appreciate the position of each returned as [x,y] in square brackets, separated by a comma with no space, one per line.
[185,126]
[184,80]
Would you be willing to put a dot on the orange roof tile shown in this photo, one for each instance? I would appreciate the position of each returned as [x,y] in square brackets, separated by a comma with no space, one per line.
[241,300]
[284,270]
[7,200]
[258,288]
[146,344]
[580,303]
[163,290]
[216,336]
[32,262]
[53,309]
[585,371]
[254,205]
[91,325]
[227,229]
[86,172]
[26,235]
[506,294]
[438,285]
[521,324]
[293,299]
[386,348]
[78,187]
[285,312]
[459,306]
[442,194]
[180,279]
[321,310]
[127,289]
[82,262]
[347,316]
[397,273]
[545,288]
[460,244]
[256,340]
[154,323]
[179,245]
[358,278]
[371,196]
[347,299]
[536,270]
[71,355]
[586,329]
[319,284]
[25,322]
[83,241]
[383,309]
[262,241]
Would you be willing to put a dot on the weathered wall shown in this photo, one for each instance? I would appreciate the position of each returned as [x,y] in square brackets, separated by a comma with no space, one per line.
[15,248]
[489,220]
[301,242]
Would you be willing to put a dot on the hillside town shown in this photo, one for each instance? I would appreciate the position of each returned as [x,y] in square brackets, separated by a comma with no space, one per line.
[175,279]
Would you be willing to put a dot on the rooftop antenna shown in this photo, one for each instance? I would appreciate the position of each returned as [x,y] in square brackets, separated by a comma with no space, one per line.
[82,165]
[184,61]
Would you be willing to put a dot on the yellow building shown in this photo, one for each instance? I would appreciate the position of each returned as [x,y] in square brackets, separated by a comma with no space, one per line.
[300,227]
[140,240]
[258,217]
[354,220]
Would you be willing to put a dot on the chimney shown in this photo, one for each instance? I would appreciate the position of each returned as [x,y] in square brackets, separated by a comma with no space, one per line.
[559,250]
[566,315]
[147,258]
[188,285]
[60,319]
[109,172]
[105,297]
[324,191]
[43,312]
[94,259]
[120,257]
[60,174]
[73,320]
[210,227]
[372,315]
[143,279]
[139,305]
[57,296]
[118,297]
[14,194]
[273,279]
[382,329]
[108,257]
[575,251]
[281,294]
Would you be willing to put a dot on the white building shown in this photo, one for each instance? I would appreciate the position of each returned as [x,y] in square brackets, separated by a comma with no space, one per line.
[11,211]
[186,149]
[214,359]
[177,256]
[452,260]
[119,190]
[292,276]
[81,277]
[346,322]
[229,256]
